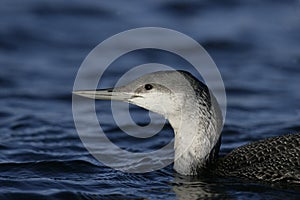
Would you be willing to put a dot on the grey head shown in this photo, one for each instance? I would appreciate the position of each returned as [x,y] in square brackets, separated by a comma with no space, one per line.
[187,103]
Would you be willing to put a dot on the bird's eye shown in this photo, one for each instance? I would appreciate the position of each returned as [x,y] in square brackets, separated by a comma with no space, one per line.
[148,86]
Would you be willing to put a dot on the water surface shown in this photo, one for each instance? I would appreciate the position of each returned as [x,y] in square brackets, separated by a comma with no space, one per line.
[255,44]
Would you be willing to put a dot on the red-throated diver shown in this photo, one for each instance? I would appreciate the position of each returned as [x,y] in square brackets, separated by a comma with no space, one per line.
[192,110]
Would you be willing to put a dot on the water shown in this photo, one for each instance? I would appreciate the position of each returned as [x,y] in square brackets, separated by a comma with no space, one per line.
[255,44]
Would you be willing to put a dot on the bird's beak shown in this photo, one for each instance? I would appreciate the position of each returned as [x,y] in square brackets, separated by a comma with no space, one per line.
[106,94]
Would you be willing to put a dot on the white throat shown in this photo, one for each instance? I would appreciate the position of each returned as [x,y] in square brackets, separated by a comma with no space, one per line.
[196,134]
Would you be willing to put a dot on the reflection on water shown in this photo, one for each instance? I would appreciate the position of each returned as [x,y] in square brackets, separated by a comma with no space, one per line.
[194,188]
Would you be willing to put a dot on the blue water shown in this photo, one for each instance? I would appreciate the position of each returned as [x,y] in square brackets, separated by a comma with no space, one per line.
[255,44]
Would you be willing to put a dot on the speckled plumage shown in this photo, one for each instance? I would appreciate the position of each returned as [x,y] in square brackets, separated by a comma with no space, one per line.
[273,159]
[196,118]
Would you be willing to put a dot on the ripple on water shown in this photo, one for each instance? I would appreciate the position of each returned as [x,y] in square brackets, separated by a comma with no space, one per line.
[254,43]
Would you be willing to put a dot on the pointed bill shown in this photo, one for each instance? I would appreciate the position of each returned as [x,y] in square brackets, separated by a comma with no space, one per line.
[105,94]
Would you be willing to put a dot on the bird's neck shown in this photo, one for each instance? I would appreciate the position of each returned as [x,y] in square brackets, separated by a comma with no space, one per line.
[196,139]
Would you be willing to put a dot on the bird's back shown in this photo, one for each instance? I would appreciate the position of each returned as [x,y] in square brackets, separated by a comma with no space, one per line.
[275,159]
